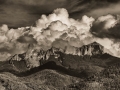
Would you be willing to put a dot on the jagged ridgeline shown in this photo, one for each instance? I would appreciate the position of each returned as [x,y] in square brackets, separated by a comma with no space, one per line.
[36,57]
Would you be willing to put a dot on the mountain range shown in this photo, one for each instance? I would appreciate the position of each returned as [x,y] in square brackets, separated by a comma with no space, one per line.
[35,57]
[88,66]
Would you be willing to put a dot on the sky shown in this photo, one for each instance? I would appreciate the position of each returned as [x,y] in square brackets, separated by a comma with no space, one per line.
[65,24]
[20,13]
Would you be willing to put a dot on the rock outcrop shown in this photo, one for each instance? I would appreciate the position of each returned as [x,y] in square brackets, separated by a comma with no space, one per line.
[90,49]
[33,57]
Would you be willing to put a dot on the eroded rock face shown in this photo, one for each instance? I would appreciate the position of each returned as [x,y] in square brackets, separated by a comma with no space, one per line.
[32,57]
[90,49]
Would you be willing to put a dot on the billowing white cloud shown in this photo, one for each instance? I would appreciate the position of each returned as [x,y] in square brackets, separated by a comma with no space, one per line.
[58,30]
[57,25]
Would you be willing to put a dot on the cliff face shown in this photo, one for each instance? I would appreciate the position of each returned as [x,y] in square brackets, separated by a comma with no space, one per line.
[32,57]
[90,49]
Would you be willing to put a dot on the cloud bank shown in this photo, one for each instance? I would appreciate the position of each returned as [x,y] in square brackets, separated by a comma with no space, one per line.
[61,31]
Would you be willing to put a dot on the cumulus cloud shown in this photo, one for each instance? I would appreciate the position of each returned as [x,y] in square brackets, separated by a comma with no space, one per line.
[57,29]
[10,41]
[61,31]
[57,25]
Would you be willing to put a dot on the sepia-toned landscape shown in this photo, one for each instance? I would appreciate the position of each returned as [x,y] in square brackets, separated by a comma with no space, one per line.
[59,45]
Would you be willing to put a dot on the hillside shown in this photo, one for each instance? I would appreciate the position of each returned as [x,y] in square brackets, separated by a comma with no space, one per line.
[54,69]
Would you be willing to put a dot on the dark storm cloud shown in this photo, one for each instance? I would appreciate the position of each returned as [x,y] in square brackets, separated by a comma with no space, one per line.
[17,13]
[113,32]
[107,27]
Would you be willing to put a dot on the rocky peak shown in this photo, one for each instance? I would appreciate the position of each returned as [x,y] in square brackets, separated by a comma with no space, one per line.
[90,49]
[32,57]
[94,43]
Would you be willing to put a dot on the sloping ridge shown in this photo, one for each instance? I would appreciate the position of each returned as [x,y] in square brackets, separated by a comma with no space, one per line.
[51,66]
[19,67]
